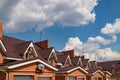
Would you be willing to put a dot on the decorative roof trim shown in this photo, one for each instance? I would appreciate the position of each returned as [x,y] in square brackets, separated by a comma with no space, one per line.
[79,61]
[2,46]
[77,68]
[69,60]
[107,72]
[31,45]
[30,62]
[74,69]
[13,58]
[98,71]
[53,52]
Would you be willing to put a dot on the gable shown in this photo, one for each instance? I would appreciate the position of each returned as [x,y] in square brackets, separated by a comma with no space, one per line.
[25,63]
[79,62]
[77,72]
[53,55]
[98,73]
[30,50]
[68,61]
[31,68]
[2,46]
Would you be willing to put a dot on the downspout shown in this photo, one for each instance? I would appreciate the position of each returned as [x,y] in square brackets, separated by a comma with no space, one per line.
[6,75]
[65,76]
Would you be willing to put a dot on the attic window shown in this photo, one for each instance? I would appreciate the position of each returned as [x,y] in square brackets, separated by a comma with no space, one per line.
[28,56]
[31,49]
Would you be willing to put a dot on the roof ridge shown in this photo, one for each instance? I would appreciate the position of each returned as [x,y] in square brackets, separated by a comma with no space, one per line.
[13,38]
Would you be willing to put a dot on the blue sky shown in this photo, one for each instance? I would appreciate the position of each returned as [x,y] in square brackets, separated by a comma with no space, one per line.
[90,27]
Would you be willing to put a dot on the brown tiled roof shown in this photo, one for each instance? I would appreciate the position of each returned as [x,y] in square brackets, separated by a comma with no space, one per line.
[14,46]
[45,53]
[91,71]
[85,62]
[12,54]
[66,68]
[116,75]
[37,48]
[21,48]
[43,44]
[93,64]
[10,42]
[75,60]
[108,64]
[70,69]
[62,58]
[59,53]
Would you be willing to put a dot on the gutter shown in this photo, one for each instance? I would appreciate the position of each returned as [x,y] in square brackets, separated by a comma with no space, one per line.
[6,74]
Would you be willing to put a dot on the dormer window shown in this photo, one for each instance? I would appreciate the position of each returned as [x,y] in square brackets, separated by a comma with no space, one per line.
[28,56]
[52,59]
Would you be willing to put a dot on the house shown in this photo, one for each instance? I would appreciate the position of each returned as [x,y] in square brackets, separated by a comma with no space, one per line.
[112,66]
[107,75]
[95,74]
[28,60]
[71,73]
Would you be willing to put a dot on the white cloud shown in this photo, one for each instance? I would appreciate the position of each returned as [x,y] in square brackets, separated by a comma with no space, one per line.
[107,54]
[91,49]
[112,28]
[101,40]
[20,15]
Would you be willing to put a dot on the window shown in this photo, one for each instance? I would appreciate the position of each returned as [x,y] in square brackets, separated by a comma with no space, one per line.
[94,79]
[99,78]
[28,56]
[23,77]
[72,78]
[80,78]
[44,78]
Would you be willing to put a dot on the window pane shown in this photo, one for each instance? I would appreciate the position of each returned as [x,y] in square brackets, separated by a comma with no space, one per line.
[71,78]
[99,78]
[23,77]
[80,78]
[44,78]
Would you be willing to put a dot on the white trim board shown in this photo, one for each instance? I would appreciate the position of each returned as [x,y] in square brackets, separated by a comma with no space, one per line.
[30,62]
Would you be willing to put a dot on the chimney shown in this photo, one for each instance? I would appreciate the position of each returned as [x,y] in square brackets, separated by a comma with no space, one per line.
[69,52]
[0,30]
[43,44]
[83,57]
